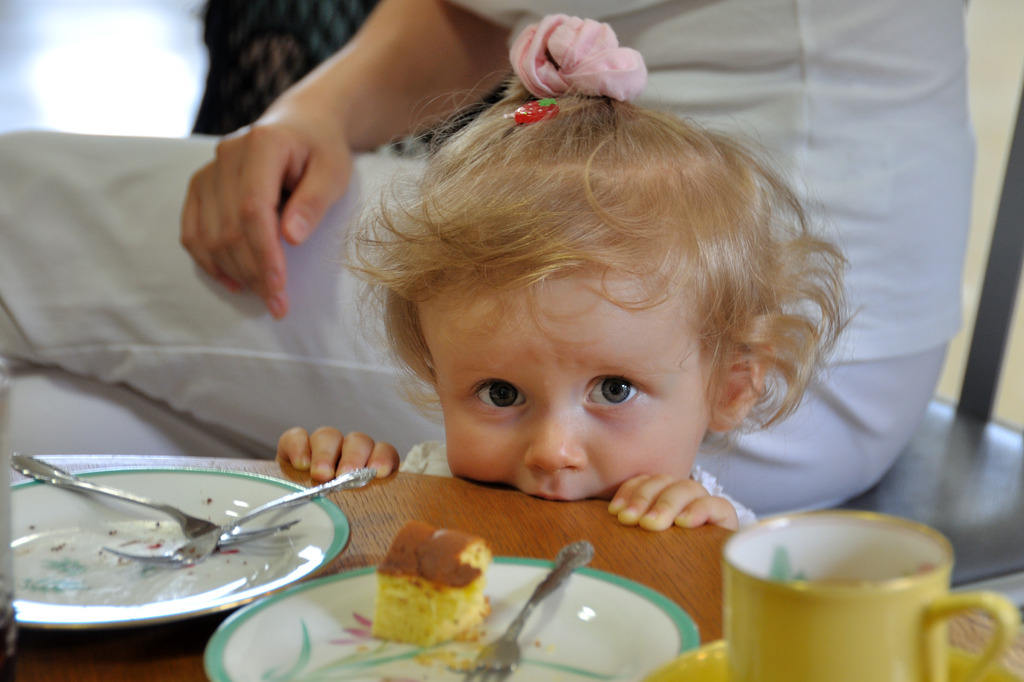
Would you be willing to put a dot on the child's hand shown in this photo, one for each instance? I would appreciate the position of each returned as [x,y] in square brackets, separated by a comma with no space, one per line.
[658,502]
[326,452]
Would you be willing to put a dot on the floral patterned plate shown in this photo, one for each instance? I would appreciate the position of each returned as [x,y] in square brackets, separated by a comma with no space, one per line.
[64,579]
[598,626]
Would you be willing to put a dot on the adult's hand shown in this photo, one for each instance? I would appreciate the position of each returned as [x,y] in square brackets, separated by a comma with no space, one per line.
[234,221]
[391,79]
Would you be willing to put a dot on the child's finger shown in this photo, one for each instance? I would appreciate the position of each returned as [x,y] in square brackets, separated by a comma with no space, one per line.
[325,445]
[670,502]
[384,459]
[622,495]
[293,448]
[629,502]
[716,511]
[637,497]
[660,517]
[359,450]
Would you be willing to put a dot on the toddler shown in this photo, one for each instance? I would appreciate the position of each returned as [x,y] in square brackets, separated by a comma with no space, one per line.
[590,290]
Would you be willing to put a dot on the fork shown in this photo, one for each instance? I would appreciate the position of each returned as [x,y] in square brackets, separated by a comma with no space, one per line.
[225,540]
[205,544]
[191,526]
[500,658]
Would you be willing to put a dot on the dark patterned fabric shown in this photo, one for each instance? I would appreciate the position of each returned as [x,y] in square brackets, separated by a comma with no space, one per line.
[257,48]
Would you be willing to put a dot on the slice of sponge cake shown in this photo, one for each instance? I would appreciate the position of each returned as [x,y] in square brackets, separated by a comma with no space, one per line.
[430,586]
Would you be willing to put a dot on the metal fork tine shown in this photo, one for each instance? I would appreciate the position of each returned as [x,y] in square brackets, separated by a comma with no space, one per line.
[40,470]
[191,526]
[179,558]
[206,544]
[500,658]
[151,560]
[228,539]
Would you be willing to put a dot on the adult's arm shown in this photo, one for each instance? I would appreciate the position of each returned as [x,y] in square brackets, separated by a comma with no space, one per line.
[414,62]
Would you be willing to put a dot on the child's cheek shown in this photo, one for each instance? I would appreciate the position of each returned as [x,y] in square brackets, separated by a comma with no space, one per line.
[477,464]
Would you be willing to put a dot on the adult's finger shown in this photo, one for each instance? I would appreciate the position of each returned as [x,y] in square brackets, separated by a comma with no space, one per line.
[323,182]
[200,216]
[269,160]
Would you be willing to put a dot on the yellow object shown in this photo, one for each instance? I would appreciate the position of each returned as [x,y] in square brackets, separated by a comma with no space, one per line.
[420,599]
[710,664]
[847,597]
[416,611]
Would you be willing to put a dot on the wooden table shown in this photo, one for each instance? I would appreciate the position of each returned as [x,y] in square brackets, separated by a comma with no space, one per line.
[681,564]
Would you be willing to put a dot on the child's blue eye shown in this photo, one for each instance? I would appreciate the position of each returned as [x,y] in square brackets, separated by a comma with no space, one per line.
[612,391]
[500,394]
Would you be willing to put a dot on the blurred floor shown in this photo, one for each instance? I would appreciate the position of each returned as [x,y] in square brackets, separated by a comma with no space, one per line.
[136,67]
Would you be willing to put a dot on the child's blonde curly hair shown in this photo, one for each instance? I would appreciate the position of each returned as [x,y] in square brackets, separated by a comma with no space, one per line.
[611,188]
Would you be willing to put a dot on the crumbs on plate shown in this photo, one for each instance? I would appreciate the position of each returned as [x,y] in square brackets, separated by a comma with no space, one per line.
[452,660]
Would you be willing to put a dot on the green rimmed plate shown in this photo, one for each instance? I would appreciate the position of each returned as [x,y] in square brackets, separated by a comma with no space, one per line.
[598,626]
[63,579]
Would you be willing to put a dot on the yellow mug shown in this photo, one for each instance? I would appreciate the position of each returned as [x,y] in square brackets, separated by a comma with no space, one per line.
[847,596]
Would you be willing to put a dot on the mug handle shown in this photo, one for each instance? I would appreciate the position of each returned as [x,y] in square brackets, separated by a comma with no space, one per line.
[1005,616]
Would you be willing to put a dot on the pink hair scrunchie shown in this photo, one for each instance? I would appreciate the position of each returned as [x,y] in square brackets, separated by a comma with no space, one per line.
[563,53]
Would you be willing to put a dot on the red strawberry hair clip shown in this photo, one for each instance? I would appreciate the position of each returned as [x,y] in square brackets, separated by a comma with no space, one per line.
[537,110]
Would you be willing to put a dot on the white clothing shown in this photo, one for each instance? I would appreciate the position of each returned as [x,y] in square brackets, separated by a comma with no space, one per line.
[865,102]
[843,438]
[94,281]
[431,458]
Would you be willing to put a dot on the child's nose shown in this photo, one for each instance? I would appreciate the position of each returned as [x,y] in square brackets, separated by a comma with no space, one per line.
[555,445]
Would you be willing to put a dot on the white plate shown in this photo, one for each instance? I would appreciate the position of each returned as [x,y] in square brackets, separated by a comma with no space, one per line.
[596,626]
[63,579]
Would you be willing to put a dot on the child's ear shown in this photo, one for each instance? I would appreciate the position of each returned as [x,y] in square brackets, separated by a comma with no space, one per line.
[743,385]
